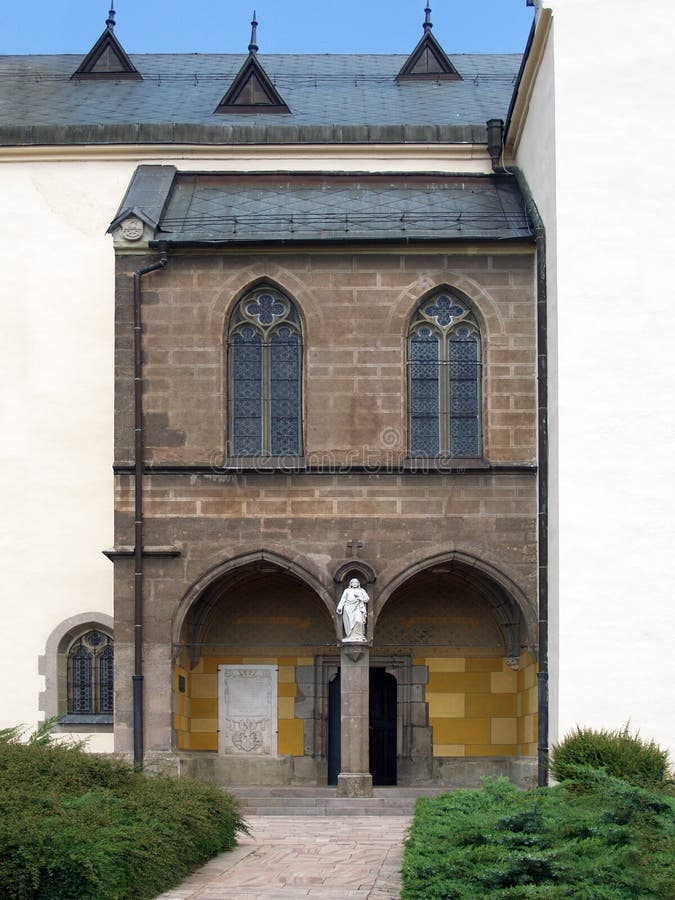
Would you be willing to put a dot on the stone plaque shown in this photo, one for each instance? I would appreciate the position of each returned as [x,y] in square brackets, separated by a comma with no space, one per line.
[247,710]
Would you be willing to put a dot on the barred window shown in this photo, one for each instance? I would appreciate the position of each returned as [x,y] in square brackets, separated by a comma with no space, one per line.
[265,376]
[444,379]
[90,674]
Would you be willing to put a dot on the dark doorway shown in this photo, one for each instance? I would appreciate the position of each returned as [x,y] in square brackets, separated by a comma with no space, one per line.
[382,703]
[334,749]
[382,727]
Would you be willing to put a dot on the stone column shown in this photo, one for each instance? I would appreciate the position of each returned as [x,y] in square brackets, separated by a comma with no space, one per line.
[355,779]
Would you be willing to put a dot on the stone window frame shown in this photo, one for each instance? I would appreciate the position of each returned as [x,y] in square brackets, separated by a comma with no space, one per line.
[266,322]
[459,317]
[53,701]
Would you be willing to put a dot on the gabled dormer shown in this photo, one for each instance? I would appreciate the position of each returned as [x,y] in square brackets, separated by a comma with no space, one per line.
[252,90]
[428,61]
[107,58]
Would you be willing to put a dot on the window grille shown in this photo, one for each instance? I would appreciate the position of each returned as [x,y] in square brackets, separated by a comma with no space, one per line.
[444,380]
[265,376]
[90,674]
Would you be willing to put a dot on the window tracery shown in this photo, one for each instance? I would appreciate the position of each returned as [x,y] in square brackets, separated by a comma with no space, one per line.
[444,379]
[91,674]
[265,376]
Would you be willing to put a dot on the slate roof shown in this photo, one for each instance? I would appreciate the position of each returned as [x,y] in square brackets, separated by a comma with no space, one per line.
[179,93]
[223,208]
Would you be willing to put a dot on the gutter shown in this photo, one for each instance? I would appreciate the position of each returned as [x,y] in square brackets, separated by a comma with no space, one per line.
[139,466]
[542,482]
[496,150]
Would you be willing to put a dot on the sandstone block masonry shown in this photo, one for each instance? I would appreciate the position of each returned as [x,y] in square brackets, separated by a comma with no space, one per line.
[355,484]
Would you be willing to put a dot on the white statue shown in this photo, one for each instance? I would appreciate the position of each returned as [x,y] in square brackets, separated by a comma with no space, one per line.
[354,609]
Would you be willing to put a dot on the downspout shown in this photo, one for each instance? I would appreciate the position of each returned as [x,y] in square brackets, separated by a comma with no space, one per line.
[139,463]
[495,129]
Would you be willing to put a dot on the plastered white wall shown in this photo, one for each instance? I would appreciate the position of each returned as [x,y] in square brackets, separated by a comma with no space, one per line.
[56,376]
[614,195]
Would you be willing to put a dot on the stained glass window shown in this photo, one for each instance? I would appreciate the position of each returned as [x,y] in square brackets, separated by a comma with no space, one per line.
[265,376]
[444,379]
[90,674]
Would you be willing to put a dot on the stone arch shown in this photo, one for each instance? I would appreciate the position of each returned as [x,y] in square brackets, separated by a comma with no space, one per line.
[231,566]
[507,599]
[479,300]
[53,664]
[240,282]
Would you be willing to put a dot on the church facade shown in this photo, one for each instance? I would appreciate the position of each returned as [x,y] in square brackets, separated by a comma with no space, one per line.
[308,310]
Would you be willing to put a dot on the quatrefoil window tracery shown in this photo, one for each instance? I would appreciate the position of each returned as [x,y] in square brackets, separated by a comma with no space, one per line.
[444,379]
[265,376]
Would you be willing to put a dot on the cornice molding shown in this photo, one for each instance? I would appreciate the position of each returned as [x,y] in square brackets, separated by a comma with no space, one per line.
[381,154]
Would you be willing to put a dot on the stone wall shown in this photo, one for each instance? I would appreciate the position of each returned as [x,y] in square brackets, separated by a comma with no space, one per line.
[355,309]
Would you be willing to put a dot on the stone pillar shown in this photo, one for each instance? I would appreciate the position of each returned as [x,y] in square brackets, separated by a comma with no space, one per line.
[355,779]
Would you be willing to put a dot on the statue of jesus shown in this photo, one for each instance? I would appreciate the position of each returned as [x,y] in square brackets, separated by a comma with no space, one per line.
[354,609]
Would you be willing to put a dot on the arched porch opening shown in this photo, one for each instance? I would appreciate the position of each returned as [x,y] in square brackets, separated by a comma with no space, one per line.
[460,645]
[253,632]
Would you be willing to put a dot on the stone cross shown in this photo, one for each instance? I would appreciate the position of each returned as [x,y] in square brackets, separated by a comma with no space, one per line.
[354,546]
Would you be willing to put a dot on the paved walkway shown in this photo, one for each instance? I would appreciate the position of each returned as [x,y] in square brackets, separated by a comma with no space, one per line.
[290,857]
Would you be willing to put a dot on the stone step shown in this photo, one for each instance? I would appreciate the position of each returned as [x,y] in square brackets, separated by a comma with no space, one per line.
[323,801]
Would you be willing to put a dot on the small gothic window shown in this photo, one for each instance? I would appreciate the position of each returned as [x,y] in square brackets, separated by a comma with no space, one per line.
[90,674]
[265,376]
[444,379]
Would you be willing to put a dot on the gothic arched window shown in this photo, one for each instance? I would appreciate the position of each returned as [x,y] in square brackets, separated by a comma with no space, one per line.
[90,674]
[444,379]
[265,376]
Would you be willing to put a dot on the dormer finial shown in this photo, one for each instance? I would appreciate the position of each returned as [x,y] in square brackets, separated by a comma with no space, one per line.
[427,19]
[110,21]
[253,46]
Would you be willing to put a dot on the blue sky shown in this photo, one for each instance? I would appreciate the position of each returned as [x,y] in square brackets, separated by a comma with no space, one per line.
[286,26]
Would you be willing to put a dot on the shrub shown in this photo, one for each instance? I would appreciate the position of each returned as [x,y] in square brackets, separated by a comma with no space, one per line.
[612,841]
[74,825]
[619,753]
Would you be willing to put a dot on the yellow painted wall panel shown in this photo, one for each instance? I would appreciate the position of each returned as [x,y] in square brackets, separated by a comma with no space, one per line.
[490,705]
[198,667]
[504,682]
[286,707]
[456,664]
[260,660]
[204,686]
[204,741]
[288,661]
[291,737]
[504,731]
[484,664]
[204,709]
[446,705]
[305,661]
[287,690]
[461,731]
[458,682]
[490,750]
[449,749]
[286,675]
[206,726]
[533,694]
[529,731]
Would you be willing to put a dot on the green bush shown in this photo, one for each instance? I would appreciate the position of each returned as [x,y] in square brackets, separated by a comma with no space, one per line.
[609,841]
[619,753]
[74,826]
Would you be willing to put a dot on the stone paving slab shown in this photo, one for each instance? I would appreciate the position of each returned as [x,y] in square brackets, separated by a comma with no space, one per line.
[292,857]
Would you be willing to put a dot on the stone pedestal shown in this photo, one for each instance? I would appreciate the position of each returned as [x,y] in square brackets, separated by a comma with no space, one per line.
[355,779]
